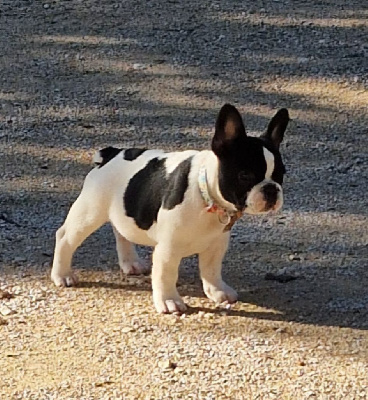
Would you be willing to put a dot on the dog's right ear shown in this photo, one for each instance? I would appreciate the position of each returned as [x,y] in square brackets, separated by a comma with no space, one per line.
[229,127]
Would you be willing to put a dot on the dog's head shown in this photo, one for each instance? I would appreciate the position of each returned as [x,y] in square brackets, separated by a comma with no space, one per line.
[251,170]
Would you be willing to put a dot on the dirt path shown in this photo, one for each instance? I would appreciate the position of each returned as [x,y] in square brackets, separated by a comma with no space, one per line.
[78,75]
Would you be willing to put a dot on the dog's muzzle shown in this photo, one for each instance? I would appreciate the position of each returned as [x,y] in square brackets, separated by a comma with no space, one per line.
[264,197]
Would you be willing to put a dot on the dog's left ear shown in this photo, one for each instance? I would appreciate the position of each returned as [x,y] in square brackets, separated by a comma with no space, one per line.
[229,127]
[277,127]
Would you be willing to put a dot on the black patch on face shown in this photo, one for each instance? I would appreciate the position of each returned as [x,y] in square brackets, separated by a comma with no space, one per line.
[279,171]
[133,153]
[243,167]
[242,163]
[107,154]
[150,188]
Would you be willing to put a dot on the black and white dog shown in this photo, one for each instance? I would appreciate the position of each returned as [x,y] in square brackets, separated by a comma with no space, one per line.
[182,203]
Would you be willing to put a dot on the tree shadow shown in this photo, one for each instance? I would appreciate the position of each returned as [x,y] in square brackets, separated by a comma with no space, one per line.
[134,77]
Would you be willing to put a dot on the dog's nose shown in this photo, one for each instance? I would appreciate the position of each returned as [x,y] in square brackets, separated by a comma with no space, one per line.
[270,192]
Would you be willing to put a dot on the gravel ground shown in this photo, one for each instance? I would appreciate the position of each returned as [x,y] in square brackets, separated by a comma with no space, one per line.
[77,75]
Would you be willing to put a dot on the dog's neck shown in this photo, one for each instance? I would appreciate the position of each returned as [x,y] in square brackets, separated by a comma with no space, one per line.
[208,180]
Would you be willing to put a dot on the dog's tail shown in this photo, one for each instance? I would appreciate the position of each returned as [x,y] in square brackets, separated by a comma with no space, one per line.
[103,156]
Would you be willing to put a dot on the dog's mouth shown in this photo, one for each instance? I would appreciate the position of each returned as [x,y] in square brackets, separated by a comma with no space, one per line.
[256,209]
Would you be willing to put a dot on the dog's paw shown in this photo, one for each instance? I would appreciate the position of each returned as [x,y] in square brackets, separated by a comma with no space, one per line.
[169,305]
[137,267]
[222,294]
[64,281]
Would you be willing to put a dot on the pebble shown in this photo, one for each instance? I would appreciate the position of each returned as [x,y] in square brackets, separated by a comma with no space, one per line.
[127,329]
[139,67]
[19,259]
[167,365]
[4,294]
[5,310]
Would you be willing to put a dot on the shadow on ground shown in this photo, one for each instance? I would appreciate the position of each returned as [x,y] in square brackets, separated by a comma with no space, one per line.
[72,83]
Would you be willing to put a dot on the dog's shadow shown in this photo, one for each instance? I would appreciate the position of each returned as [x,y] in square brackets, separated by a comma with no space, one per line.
[303,301]
[110,285]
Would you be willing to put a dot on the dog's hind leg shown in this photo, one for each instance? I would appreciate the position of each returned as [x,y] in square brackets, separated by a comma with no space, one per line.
[129,262]
[84,217]
[210,265]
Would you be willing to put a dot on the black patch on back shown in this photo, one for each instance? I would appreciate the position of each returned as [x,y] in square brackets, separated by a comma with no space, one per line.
[143,195]
[133,153]
[177,185]
[150,188]
[107,154]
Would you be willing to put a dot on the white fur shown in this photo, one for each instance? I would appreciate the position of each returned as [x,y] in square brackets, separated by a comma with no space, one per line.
[270,161]
[185,230]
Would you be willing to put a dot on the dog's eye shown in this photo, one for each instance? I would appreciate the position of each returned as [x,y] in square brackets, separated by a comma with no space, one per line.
[245,177]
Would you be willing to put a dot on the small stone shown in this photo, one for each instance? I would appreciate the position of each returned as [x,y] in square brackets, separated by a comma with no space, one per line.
[12,355]
[103,382]
[19,259]
[5,310]
[302,60]
[127,329]
[167,365]
[138,66]
[4,294]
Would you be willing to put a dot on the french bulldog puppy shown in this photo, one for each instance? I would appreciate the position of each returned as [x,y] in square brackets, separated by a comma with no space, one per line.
[181,203]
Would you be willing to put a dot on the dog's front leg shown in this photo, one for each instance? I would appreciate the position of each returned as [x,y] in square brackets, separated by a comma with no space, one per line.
[164,277]
[210,265]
